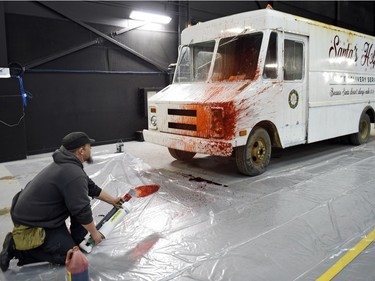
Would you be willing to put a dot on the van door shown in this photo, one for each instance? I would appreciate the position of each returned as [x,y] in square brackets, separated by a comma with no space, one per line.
[295,50]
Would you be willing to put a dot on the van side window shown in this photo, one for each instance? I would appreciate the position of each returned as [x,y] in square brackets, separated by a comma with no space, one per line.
[270,66]
[183,72]
[293,60]
[194,62]
[202,57]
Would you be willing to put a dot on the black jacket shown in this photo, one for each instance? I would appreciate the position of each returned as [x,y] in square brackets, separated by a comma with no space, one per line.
[60,190]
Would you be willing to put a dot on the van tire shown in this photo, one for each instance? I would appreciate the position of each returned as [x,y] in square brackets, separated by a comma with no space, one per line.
[180,154]
[253,158]
[364,129]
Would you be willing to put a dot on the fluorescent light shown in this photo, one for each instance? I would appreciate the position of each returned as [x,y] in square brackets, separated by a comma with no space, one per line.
[4,72]
[136,15]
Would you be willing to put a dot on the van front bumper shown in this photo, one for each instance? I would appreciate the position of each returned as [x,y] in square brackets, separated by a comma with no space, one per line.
[191,144]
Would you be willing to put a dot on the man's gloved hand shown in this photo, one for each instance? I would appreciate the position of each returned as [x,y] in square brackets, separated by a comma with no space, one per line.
[119,203]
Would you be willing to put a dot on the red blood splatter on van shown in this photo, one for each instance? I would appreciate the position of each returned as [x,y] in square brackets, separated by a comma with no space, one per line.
[217,112]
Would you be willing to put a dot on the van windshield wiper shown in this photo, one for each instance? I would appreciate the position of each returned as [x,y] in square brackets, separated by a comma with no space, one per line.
[235,37]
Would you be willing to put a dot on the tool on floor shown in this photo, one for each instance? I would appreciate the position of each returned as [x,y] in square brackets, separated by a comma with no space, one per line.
[116,214]
[119,146]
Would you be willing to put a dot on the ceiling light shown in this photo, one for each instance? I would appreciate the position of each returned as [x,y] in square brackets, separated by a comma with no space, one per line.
[149,17]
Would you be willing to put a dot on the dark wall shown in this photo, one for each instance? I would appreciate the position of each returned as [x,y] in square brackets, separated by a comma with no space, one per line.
[12,122]
[96,88]
[107,107]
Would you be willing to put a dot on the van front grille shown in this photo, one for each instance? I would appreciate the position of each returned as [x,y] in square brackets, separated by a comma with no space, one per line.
[183,112]
[189,127]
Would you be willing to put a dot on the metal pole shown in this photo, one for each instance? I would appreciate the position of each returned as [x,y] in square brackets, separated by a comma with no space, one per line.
[105,36]
[62,54]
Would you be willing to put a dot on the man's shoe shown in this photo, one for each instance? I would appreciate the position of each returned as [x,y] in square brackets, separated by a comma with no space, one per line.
[7,253]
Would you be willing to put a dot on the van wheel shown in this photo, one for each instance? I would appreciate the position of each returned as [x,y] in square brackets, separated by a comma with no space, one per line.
[253,158]
[180,154]
[364,129]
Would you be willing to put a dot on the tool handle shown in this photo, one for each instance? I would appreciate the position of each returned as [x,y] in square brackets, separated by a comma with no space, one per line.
[110,220]
[107,226]
[124,199]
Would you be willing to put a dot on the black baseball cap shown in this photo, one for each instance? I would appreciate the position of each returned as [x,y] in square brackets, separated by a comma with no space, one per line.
[75,140]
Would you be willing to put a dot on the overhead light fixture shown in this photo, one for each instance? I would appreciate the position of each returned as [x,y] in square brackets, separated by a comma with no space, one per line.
[149,17]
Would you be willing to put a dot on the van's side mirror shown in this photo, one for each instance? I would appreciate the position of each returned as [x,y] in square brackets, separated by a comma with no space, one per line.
[172,67]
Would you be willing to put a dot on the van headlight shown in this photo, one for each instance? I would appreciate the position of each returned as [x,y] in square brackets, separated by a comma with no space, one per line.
[153,121]
[217,122]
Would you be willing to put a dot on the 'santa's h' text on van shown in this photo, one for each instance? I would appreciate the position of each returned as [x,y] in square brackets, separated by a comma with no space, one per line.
[247,83]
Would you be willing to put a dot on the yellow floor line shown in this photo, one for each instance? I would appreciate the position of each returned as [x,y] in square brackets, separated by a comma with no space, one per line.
[348,257]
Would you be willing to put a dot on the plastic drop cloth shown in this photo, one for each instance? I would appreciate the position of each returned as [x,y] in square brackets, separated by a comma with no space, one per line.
[292,223]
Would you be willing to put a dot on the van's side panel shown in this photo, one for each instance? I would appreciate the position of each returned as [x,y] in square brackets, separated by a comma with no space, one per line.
[341,81]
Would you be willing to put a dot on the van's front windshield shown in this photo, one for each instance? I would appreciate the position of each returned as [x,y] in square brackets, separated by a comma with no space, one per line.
[236,59]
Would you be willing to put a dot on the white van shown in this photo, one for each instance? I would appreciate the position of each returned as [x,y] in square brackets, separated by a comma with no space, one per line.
[261,79]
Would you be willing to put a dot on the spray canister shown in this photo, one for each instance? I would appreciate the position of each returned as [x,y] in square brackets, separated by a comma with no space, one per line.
[76,265]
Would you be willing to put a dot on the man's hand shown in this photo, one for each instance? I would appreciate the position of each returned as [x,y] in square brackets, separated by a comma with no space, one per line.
[118,202]
[95,234]
[114,201]
[97,237]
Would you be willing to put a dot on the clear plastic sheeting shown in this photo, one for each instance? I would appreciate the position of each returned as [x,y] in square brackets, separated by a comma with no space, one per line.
[292,223]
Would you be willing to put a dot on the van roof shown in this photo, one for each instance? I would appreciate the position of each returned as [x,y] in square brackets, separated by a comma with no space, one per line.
[249,22]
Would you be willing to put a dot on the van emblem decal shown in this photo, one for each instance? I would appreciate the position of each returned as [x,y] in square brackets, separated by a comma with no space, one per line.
[293,99]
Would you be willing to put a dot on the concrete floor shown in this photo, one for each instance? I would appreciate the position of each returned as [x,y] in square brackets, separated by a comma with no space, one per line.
[294,222]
